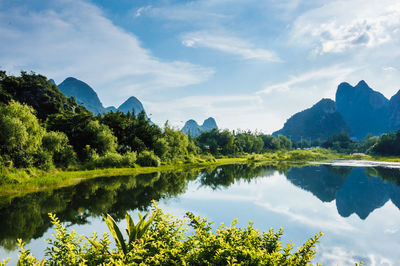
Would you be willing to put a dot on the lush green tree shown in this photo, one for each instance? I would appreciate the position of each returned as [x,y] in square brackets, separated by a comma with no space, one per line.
[20,134]
[56,144]
[388,144]
[270,142]
[36,91]
[177,143]
[83,130]
[284,142]
[134,133]
[341,143]
[249,143]
[368,143]
[217,142]
[100,137]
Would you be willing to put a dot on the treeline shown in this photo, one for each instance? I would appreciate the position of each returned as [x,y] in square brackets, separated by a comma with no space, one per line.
[41,127]
[385,145]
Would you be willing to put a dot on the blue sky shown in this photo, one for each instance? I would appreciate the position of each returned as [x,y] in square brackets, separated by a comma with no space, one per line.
[251,64]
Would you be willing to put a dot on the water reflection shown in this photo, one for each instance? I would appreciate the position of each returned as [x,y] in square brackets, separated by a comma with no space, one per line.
[27,217]
[355,190]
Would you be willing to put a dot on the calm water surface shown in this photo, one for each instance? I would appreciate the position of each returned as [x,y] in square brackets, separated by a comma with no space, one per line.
[357,208]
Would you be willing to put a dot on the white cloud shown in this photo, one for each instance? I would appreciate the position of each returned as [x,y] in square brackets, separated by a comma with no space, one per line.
[141,10]
[228,44]
[389,69]
[335,74]
[340,25]
[74,38]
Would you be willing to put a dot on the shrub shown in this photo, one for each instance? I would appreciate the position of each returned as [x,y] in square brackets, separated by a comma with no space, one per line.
[88,154]
[109,160]
[148,158]
[43,160]
[66,157]
[129,159]
[164,240]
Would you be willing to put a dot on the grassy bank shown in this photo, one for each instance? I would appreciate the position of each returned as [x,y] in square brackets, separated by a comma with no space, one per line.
[22,181]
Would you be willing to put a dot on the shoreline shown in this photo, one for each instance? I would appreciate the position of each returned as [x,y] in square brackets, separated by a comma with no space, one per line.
[32,180]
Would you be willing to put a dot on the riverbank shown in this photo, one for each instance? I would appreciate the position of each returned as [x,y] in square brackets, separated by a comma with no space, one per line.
[23,181]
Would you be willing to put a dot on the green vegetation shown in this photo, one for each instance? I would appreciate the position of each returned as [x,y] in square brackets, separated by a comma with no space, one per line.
[164,240]
[47,140]
[45,133]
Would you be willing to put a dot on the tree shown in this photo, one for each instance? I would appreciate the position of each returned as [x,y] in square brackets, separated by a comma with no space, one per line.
[20,134]
[36,91]
[270,142]
[134,133]
[177,143]
[284,142]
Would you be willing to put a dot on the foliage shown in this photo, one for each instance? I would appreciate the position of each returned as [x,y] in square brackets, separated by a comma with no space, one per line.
[248,143]
[134,232]
[36,91]
[217,142]
[134,133]
[270,142]
[176,144]
[148,158]
[21,134]
[284,142]
[113,159]
[341,143]
[388,144]
[56,144]
[163,240]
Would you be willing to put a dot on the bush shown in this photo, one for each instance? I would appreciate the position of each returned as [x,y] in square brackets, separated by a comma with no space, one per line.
[66,157]
[88,154]
[148,158]
[113,159]
[109,160]
[128,159]
[22,159]
[43,160]
[164,240]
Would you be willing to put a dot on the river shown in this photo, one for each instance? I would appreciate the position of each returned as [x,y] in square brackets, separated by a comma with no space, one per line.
[356,207]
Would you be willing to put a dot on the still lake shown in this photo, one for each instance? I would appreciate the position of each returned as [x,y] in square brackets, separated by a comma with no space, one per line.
[357,208]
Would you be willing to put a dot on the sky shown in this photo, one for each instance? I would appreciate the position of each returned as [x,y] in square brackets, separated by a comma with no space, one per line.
[250,64]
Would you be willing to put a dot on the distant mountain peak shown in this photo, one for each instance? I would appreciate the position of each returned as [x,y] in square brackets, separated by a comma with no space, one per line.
[363,108]
[318,122]
[83,93]
[209,124]
[193,129]
[132,103]
[362,83]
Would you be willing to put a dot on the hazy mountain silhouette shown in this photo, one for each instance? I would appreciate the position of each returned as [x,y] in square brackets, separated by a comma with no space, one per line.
[193,129]
[394,112]
[364,109]
[358,110]
[318,122]
[132,104]
[87,96]
[83,94]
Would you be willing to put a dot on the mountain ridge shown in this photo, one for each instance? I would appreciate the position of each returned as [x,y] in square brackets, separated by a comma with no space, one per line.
[360,110]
